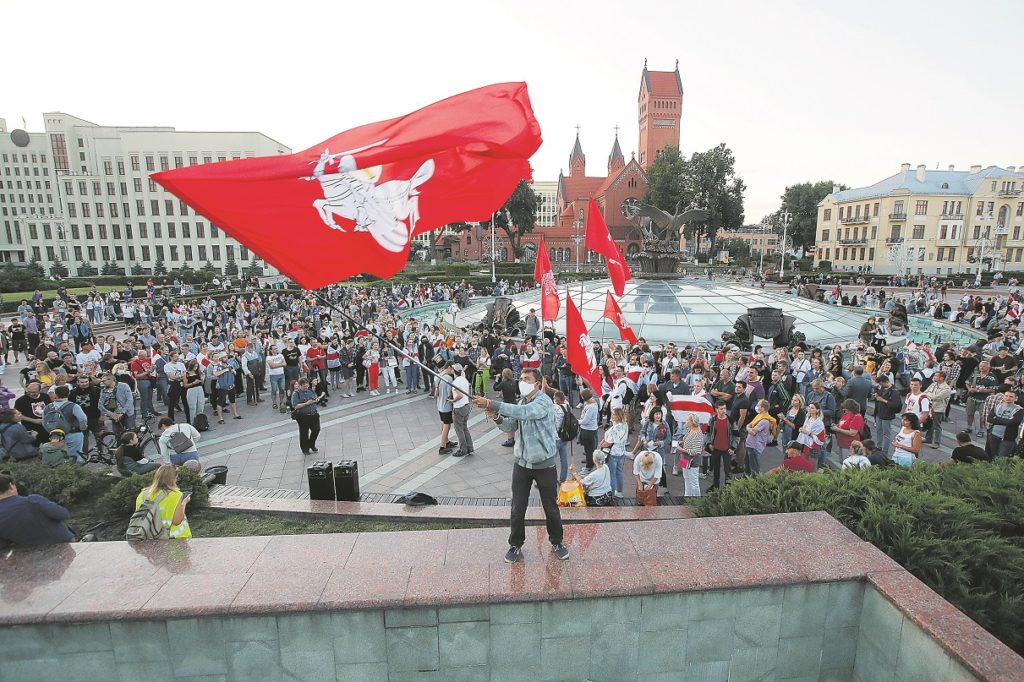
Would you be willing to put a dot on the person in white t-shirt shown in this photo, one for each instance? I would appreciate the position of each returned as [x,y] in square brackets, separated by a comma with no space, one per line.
[275,373]
[461,409]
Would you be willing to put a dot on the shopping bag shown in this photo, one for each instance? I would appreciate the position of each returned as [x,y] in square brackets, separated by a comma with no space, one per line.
[646,497]
[570,494]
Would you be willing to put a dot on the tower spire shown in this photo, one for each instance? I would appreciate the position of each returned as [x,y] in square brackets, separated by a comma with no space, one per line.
[577,159]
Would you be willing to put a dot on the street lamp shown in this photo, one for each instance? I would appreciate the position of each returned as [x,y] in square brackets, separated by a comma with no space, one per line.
[494,277]
[786,217]
[578,238]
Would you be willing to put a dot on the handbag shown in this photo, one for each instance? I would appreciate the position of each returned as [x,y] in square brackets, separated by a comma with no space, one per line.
[570,494]
[684,462]
[646,497]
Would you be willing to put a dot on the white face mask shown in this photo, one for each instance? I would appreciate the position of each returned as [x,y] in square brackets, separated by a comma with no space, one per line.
[525,389]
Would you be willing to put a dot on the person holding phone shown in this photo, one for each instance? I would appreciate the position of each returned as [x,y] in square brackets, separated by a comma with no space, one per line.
[172,501]
[304,403]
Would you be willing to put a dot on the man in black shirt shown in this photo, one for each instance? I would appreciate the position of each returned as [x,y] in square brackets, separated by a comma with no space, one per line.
[31,406]
[18,338]
[86,395]
[967,452]
[740,415]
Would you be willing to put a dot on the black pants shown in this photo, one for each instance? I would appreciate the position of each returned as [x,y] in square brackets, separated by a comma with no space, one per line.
[360,375]
[588,439]
[176,394]
[720,460]
[547,485]
[309,429]
[252,390]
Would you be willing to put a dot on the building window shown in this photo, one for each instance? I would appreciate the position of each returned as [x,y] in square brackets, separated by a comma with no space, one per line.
[149,164]
[824,235]
[214,232]
[188,252]
[876,210]
[874,231]
[140,207]
[157,231]
[105,253]
[116,230]
[168,206]
[871,254]
[92,252]
[921,208]
[99,210]
[186,231]
[131,253]
[145,252]
[216,252]
[164,164]
[143,231]
[1020,208]
[120,167]
[918,232]
[841,212]
[118,253]
[159,252]
[178,163]
[898,207]
[154,207]
[113,210]
[828,214]
[171,231]
[200,231]
[202,252]
[78,253]
[127,231]
[103,232]
[977,231]
[72,211]
[88,231]
[243,253]
[182,208]
[174,253]
[108,167]
[86,211]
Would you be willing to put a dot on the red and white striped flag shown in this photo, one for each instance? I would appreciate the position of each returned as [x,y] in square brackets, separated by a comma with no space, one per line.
[685,405]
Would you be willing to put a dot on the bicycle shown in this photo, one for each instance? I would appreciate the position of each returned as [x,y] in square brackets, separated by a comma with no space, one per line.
[107,443]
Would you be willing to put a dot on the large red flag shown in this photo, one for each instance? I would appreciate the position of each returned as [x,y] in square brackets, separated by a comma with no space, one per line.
[614,313]
[581,349]
[543,275]
[599,239]
[352,204]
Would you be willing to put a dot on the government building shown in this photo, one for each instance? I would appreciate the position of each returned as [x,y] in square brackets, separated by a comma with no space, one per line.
[80,194]
[926,222]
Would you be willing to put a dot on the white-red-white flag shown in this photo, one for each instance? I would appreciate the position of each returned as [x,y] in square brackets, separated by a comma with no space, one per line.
[685,405]
[581,354]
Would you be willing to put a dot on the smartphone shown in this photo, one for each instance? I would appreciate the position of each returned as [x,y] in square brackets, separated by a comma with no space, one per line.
[186,493]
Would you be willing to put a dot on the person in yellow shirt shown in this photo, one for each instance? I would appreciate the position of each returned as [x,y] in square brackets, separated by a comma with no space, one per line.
[172,506]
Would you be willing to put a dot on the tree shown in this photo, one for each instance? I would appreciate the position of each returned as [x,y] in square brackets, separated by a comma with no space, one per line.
[801,202]
[58,269]
[254,269]
[665,186]
[159,268]
[111,269]
[136,269]
[522,207]
[737,248]
[37,267]
[710,179]
[86,269]
[209,267]
[231,267]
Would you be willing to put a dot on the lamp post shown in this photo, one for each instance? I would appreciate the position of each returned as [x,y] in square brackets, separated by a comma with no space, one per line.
[786,217]
[577,238]
[494,277]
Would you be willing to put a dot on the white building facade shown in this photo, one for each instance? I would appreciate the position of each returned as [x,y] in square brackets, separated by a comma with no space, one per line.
[80,194]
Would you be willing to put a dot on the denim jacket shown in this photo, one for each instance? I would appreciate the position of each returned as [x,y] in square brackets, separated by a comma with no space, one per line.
[534,421]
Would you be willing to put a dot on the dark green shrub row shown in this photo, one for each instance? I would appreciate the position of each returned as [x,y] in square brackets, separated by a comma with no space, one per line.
[959,529]
[119,501]
[64,484]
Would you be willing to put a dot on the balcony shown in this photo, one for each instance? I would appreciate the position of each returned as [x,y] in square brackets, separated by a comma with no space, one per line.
[897,216]
[858,240]
[855,220]
[894,240]
[1009,192]
[1001,229]
[951,216]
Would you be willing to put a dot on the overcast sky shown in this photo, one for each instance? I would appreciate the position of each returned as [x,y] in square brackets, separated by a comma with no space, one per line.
[799,90]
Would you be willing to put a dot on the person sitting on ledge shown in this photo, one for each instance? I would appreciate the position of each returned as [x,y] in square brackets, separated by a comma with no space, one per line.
[30,520]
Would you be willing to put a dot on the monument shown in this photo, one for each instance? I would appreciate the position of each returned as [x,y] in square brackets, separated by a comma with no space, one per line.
[662,233]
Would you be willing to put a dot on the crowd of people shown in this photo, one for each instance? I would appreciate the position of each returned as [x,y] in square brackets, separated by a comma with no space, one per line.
[192,360]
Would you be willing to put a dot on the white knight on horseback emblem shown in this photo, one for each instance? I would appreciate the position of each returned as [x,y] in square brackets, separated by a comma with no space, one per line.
[388,210]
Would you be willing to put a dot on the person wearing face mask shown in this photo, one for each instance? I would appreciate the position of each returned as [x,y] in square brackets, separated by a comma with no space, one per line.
[536,459]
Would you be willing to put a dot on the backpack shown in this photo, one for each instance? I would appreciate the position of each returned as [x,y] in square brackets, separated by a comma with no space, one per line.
[865,433]
[180,442]
[146,523]
[201,422]
[570,427]
[54,418]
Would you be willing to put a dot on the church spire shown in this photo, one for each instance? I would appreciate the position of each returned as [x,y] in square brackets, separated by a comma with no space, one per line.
[577,159]
[615,159]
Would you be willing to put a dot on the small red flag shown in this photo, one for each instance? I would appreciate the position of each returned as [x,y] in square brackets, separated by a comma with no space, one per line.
[599,239]
[543,275]
[614,313]
[353,203]
[581,349]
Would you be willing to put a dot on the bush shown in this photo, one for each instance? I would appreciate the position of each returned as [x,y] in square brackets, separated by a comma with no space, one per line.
[120,500]
[825,265]
[64,484]
[959,529]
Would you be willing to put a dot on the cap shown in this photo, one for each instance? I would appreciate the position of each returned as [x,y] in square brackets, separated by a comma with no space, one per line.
[457,367]
[794,444]
[58,433]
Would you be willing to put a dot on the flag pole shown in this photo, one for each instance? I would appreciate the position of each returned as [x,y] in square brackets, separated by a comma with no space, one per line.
[382,339]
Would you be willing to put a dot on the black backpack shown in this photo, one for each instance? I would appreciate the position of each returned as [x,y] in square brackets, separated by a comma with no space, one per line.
[570,427]
[201,422]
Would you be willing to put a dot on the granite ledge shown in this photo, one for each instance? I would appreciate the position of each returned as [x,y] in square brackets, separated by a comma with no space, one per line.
[966,641]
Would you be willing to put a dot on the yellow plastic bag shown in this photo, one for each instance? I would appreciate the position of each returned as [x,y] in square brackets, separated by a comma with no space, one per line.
[570,494]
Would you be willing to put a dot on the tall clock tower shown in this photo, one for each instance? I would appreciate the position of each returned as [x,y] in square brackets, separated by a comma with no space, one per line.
[659,111]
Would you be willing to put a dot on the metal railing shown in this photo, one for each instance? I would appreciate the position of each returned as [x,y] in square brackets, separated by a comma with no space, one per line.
[854,220]
[894,240]
[952,216]
[897,216]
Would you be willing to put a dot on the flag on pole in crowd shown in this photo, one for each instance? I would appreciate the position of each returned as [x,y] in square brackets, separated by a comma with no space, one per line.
[353,203]
[599,239]
[685,405]
[543,275]
[581,349]
[614,313]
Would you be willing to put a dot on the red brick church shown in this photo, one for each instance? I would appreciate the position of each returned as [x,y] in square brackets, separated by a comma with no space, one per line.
[659,109]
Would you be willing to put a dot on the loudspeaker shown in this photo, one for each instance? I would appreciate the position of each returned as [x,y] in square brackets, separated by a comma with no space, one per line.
[346,480]
[321,483]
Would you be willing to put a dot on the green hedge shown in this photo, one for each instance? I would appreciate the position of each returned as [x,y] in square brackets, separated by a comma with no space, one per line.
[64,484]
[120,500]
[959,528]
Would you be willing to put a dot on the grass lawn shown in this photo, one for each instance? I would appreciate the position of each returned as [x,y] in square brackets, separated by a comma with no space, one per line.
[15,297]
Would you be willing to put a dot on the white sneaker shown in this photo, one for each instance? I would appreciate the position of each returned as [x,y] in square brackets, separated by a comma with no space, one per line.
[618,494]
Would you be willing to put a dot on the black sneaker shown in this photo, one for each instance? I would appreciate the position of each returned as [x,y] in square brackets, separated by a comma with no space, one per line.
[560,551]
[508,444]
[460,454]
[513,555]
[313,450]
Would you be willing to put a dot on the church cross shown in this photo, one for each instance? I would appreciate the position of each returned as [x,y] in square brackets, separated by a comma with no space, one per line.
[577,130]
[616,131]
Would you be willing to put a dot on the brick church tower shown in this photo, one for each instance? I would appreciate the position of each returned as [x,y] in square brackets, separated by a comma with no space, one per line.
[659,110]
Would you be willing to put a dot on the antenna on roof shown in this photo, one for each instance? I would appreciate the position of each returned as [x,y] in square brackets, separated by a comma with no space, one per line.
[677,65]
[645,62]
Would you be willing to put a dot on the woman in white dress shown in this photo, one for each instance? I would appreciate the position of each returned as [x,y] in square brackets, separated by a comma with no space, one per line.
[907,442]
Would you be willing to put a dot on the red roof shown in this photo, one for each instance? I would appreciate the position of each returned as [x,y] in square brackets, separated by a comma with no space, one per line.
[582,187]
[664,83]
